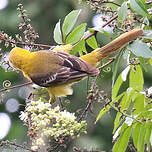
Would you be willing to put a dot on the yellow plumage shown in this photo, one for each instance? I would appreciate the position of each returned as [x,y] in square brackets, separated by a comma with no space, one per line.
[57,70]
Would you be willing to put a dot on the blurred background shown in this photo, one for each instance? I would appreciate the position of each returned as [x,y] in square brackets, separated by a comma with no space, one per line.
[44,15]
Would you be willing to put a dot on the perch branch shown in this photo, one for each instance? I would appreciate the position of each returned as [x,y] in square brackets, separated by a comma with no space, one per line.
[16,86]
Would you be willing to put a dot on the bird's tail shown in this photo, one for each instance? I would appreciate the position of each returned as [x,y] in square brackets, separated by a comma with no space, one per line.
[94,57]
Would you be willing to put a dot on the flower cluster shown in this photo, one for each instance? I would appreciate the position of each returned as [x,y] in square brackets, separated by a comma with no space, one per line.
[46,123]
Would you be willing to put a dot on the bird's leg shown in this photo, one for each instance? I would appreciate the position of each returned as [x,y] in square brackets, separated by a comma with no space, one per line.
[52,98]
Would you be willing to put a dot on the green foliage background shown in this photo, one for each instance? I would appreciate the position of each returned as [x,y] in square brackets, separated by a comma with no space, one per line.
[44,16]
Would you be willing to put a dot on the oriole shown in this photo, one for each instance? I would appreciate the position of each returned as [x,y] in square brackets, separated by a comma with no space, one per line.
[57,70]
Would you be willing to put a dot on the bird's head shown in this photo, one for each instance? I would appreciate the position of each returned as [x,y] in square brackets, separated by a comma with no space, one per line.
[17,56]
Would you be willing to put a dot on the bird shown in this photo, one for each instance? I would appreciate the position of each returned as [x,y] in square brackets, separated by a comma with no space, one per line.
[57,70]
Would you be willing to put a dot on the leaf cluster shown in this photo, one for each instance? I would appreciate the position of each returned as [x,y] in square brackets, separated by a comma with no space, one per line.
[65,34]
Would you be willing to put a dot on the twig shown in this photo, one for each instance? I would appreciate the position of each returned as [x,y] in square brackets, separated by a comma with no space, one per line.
[28,31]
[16,86]
[105,24]
[100,68]
[124,114]
[39,45]
[109,21]
[77,149]
[90,102]
[109,62]
[148,3]
[49,46]
[132,148]
[2,37]
[112,3]
[6,143]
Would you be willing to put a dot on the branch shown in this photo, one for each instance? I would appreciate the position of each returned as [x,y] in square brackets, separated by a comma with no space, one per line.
[16,86]
[90,102]
[30,44]
[124,114]
[112,3]
[105,24]
[148,3]
[8,143]
[91,97]
[109,62]
[109,21]
[77,149]
[131,147]
[2,37]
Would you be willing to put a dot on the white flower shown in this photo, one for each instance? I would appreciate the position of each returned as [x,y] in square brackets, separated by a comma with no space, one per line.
[40,141]
[68,115]
[23,116]
[56,109]
[34,148]
[41,106]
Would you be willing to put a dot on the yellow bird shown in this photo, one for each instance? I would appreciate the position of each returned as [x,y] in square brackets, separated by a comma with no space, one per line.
[57,70]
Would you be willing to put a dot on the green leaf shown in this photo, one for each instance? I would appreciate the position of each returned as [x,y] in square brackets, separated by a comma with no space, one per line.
[79,48]
[117,121]
[117,98]
[122,13]
[115,66]
[103,111]
[107,108]
[92,42]
[136,79]
[69,22]
[76,34]
[147,114]
[141,138]
[124,107]
[126,100]
[138,7]
[148,134]
[150,61]
[139,104]
[120,130]
[143,1]
[140,48]
[136,134]
[143,63]
[122,142]
[119,81]
[116,87]
[147,34]
[58,34]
